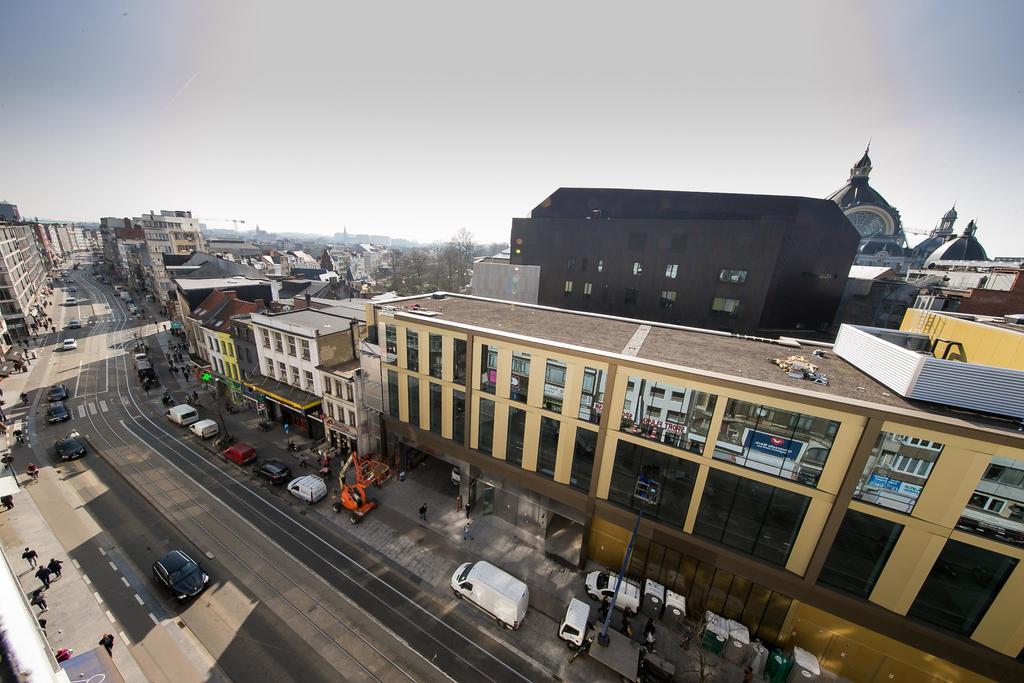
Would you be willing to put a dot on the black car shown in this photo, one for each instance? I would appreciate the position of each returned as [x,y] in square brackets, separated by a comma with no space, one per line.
[70,448]
[180,574]
[58,392]
[57,413]
[274,470]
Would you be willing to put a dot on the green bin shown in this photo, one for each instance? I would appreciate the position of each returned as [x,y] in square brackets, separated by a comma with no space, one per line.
[777,668]
[713,642]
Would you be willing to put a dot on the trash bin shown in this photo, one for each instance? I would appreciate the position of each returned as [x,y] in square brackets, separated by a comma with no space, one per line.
[805,667]
[674,617]
[654,599]
[716,632]
[737,645]
[777,668]
[760,659]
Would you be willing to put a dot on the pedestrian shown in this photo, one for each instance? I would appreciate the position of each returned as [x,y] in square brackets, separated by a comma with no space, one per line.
[466,535]
[302,461]
[43,574]
[55,566]
[42,625]
[602,611]
[467,510]
[7,501]
[38,600]
[458,503]
[31,556]
[145,387]
[423,512]
[107,641]
[748,675]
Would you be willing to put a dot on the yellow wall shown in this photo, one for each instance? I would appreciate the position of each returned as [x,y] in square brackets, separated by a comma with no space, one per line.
[984,344]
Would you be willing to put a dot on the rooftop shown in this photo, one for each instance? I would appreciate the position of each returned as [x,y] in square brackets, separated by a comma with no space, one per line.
[187,284]
[316,319]
[725,355]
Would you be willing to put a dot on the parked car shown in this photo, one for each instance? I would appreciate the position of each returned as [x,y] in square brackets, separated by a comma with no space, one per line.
[58,392]
[69,345]
[456,476]
[56,412]
[240,453]
[72,288]
[274,470]
[70,448]
[71,301]
[74,324]
[180,575]
[601,585]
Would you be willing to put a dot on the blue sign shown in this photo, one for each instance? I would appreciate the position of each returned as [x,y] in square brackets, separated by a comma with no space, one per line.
[883,482]
[773,445]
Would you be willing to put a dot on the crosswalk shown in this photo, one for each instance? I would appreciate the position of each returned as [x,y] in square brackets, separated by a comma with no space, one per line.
[92,408]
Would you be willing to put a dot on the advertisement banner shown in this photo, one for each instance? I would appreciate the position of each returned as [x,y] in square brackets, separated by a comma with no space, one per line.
[773,445]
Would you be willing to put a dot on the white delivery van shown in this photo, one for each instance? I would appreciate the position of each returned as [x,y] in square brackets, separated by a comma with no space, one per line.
[204,429]
[125,296]
[309,488]
[496,592]
[574,624]
[183,415]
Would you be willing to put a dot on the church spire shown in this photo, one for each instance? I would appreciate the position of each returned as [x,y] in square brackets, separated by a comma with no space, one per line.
[863,167]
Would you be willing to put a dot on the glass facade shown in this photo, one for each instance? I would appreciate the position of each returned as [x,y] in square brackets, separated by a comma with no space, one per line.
[554,386]
[435,407]
[393,393]
[488,368]
[749,516]
[459,417]
[996,508]
[674,476]
[778,442]
[897,471]
[390,344]
[519,388]
[414,399]
[861,549]
[459,362]
[547,454]
[412,350]
[516,436]
[434,355]
[960,587]
[486,435]
[583,454]
[592,395]
[666,413]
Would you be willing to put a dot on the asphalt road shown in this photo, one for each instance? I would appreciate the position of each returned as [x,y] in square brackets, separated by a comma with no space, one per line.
[292,598]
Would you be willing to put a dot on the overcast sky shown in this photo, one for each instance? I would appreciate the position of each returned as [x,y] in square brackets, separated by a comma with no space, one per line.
[416,119]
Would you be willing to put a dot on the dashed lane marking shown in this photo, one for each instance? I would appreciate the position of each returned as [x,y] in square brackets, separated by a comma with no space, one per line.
[152,617]
[112,565]
[81,410]
[103,406]
[138,599]
[75,563]
[124,638]
[99,599]
[125,582]
[102,551]
[111,617]
[92,408]
[86,579]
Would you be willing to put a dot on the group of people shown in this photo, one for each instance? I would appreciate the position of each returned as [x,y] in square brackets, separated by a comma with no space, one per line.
[626,627]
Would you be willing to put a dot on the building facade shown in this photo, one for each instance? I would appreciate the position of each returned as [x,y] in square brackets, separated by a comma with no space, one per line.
[22,278]
[820,509]
[169,232]
[743,263]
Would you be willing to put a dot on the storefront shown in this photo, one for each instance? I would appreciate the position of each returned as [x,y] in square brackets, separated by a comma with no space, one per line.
[284,403]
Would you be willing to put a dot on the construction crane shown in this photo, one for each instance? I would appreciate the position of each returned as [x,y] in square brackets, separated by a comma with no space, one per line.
[235,221]
[354,497]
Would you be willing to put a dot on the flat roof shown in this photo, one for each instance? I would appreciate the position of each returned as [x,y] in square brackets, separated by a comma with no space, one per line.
[312,318]
[730,356]
[219,282]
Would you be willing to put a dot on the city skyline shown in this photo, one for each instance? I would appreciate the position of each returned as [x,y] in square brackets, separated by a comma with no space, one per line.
[451,118]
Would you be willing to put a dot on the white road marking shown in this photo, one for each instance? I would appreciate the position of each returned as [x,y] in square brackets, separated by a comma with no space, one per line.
[152,617]
[125,582]
[111,617]
[87,580]
[102,551]
[98,598]
[81,410]
[113,566]
[138,599]
[92,408]
[124,638]
[103,406]
[75,563]
[79,378]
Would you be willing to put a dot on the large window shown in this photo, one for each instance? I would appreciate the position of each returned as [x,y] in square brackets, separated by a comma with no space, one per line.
[674,476]
[554,385]
[583,459]
[547,454]
[667,413]
[414,400]
[632,296]
[390,344]
[435,407]
[412,350]
[996,508]
[485,442]
[434,349]
[592,395]
[779,442]
[861,549]
[897,471]
[488,368]
[668,299]
[734,276]
[460,362]
[520,384]
[750,516]
[728,308]
[392,393]
[516,435]
[960,587]
[459,417]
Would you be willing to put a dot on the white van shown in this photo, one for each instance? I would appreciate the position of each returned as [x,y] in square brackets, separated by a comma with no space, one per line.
[183,415]
[309,488]
[574,624]
[125,296]
[496,592]
[204,429]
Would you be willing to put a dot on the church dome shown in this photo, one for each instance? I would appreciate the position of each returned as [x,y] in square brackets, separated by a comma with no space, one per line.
[966,247]
[876,244]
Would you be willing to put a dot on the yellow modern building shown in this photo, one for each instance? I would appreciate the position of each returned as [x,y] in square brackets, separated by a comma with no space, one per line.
[796,493]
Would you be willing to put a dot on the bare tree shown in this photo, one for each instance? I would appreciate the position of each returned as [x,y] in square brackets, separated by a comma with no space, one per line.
[696,665]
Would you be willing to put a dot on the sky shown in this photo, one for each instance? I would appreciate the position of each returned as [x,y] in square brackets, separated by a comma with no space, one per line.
[417,119]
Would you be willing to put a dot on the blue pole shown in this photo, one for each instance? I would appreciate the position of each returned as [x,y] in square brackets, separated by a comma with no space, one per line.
[602,638]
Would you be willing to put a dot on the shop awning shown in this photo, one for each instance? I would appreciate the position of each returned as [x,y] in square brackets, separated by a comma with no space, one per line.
[285,394]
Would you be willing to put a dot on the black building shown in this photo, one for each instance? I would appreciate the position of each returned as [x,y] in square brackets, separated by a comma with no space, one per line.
[751,264]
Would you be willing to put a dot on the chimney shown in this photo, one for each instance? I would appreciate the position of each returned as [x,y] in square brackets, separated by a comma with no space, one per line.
[307,299]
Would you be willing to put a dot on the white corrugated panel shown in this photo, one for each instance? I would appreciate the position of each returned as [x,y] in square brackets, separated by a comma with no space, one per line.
[891,365]
[967,385]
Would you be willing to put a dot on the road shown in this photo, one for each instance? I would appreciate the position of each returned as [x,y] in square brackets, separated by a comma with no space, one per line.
[292,598]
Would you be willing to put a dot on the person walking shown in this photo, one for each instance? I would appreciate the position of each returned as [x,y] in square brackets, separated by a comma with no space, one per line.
[43,574]
[602,611]
[31,556]
[38,600]
[423,512]
[7,502]
[54,565]
[466,534]
[107,641]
